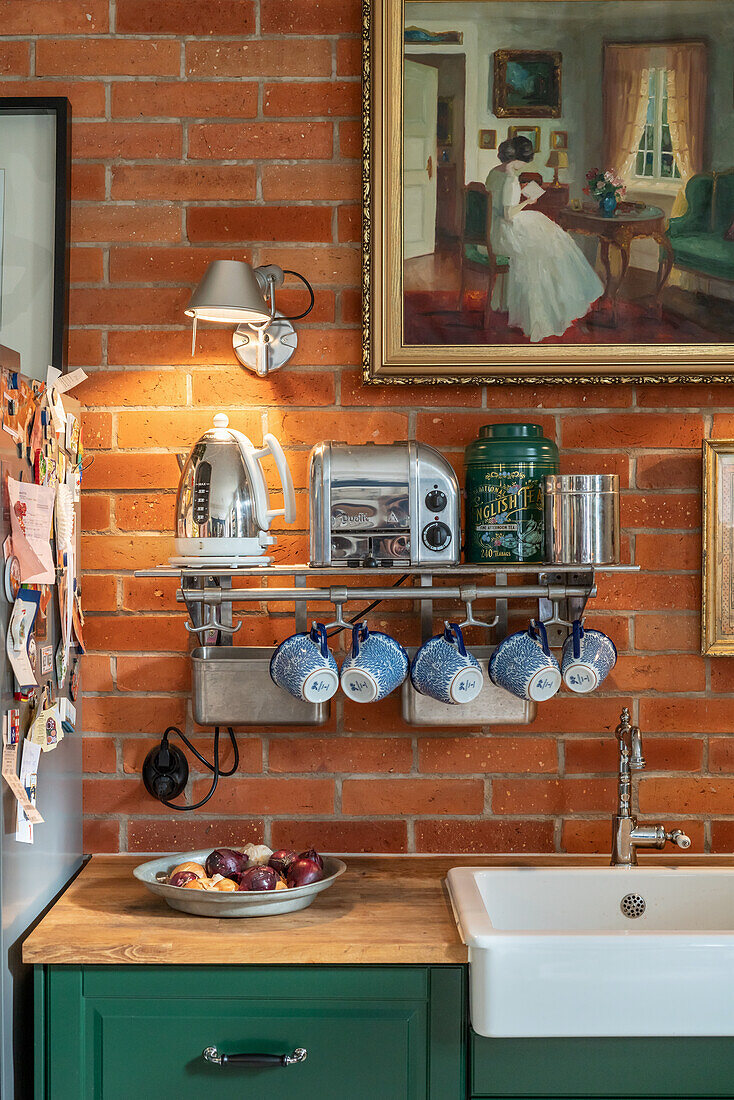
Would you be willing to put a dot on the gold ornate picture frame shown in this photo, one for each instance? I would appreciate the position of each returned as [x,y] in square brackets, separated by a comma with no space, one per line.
[717,619]
[416,331]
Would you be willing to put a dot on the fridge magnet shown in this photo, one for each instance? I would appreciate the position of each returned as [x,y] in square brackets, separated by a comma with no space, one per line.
[12,726]
[29,782]
[12,578]
[19,635]
[47,660]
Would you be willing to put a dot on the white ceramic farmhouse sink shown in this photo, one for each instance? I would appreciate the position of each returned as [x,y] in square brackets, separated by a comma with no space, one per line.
[552,953]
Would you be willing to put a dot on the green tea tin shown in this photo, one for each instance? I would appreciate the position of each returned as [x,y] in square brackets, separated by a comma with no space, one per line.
[505,468]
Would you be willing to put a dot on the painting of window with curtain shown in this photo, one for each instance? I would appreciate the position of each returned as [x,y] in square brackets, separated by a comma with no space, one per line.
[604,214]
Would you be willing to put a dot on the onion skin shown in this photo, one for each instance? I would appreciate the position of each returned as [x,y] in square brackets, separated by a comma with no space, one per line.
[312,854]
[180,878]
[302,872]
[281,860]
[258,878]
[225,862]
[190,866]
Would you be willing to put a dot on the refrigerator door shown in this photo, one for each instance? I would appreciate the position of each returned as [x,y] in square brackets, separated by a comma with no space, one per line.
[31,875]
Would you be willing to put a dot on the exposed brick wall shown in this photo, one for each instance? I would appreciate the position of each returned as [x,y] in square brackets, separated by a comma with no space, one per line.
[230,128]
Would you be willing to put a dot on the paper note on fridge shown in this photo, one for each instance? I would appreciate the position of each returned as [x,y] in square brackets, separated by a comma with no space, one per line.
[31,511]
[533,190]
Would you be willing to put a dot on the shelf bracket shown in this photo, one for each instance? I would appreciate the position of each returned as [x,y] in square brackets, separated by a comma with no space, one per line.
[558,613]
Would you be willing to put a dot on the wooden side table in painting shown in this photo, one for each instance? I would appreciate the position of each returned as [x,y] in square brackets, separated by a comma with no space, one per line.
[619,231]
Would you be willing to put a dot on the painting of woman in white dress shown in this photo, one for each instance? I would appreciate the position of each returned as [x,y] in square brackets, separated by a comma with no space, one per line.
[550,283]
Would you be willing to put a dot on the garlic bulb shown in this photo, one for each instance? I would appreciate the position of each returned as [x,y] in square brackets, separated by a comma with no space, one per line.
[257,854]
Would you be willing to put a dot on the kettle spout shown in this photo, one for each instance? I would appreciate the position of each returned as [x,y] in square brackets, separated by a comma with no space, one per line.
[181,459]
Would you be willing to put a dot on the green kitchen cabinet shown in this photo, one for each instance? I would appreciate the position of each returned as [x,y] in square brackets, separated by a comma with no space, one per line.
[112,1033]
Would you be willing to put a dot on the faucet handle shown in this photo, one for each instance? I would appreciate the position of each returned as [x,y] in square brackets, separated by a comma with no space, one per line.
[679,838]
[637,760]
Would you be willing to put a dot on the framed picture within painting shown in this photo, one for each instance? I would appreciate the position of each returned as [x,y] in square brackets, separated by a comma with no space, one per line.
[621,273]
[717,620]
[532,133]
[527,84]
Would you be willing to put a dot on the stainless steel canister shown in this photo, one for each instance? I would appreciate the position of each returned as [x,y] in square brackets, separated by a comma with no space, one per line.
[582,519]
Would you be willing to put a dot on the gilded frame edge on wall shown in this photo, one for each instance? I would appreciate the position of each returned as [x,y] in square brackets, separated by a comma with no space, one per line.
[385,357]
[712,643]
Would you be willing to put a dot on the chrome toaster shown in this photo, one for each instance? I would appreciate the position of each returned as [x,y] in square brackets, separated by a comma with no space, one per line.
[382,504]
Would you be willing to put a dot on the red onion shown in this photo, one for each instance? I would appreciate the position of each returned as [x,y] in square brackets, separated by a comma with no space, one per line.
[181,878]
[303,871]
[225,862]
[258,878]
[281,860]
[311,853]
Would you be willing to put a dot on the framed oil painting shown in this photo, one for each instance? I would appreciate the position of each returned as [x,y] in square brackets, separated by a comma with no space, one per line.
[491,273]
[717,620]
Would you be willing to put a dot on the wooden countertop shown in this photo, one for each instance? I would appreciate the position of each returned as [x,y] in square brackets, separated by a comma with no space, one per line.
[383,910]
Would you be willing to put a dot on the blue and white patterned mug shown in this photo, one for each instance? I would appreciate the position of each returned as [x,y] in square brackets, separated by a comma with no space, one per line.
[444,670]
[523,665]
[588,658]
[303,666]
[375,667]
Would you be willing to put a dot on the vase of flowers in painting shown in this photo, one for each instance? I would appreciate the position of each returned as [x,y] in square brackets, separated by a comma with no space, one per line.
[607,188]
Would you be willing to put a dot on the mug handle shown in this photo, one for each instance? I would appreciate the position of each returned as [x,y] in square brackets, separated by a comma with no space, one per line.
[538,633]
[578,633]
[360,633]
[318,637]
[451,633]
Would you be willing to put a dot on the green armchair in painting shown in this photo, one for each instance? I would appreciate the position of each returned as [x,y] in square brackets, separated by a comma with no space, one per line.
[702,237]
[476,246]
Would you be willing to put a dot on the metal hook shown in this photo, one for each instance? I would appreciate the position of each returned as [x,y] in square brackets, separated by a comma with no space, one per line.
[471,621]
[339,621]
[555,619]
[212,623]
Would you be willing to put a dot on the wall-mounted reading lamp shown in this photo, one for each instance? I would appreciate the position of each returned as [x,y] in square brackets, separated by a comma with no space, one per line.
[233,293]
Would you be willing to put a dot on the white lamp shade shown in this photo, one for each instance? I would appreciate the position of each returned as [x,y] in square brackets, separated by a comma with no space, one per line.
[229,293]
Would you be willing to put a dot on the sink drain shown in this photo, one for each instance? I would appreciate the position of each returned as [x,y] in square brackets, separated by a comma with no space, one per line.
[633,905]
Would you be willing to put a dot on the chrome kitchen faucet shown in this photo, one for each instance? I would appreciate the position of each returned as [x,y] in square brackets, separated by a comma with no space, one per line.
[627,835]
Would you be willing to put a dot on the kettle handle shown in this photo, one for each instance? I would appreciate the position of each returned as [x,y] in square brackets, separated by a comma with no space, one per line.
[273,447]
[257,478]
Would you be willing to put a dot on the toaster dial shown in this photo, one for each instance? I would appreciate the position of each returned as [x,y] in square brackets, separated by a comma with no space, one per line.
[436,536]
[436,500]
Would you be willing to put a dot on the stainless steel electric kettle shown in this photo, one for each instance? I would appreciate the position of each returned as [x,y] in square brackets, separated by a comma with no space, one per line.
[223,508]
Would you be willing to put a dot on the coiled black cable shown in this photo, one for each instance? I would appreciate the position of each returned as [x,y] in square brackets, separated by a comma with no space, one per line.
[309,288]
[212,767]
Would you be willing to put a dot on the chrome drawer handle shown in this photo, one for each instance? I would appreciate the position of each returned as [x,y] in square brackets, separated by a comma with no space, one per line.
[211,1054]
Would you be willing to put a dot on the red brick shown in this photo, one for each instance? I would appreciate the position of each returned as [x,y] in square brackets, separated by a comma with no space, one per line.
[133,387]
[97,428]
[633,430]
[564,714]
[119,796]
[662,674]
[529,396]
[700,396]
[412,796]
[355,392]
[661,510]
[721,754]
[15,58]
[667,632]
[136,633]
[85,348]
[54,17]
[351,306]
[350,223]
[153,673]
[350,139]
[258,223]
[692,795]
[132,471]
[136,512]
[322,182]
[184,181]
[250,140]
[131,140]
[291,100]
[651,591]
[722,836]
[135,750]
[329,347]
[99,594]
[189,834]
[483,836]
[341,836]
[95,513]
[87,96]
[105,222]
[182,264]
[96,671]
[98,754]
[86,264]
[599,755]
[687,716]
[325,17]
[125,551]
[150,593]
[348,57]
[487,754]
[270,796]
[595,462]
[462,427]
[111,56]
[723,426]
[368,427]
[291,58]
[586,837]
[176,429]
[668,471]
[238,387]
[101,835]
[180,17]
[668,551]
[551,796]
[722,676]
[132,714]
[184,99]
[126,305]
[342,754]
